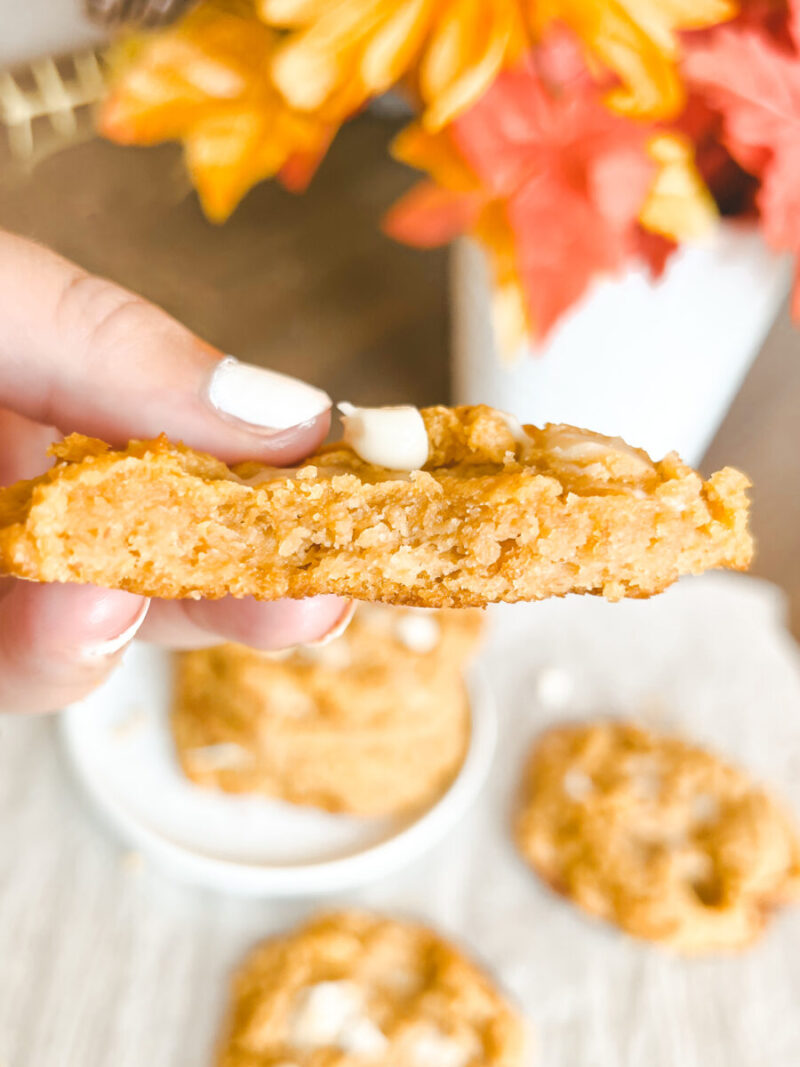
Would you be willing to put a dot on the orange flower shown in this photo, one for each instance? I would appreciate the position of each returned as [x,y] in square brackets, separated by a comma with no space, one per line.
[636,39]
[449,50]
[206,83]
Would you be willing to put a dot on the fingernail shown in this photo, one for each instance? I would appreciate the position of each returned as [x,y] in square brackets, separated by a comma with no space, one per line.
[261,398]
[114,644]
[337,629]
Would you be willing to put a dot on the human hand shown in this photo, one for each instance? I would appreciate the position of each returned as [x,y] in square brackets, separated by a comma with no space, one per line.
[81,354]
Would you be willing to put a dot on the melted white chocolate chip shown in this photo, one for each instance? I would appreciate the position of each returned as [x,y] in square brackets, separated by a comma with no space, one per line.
[582,448]
[515,428]
[391,437]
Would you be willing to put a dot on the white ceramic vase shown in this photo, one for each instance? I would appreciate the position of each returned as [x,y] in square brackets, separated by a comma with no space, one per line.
[657,363]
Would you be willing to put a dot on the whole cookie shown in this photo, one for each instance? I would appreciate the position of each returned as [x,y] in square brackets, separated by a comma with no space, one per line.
[656,835]
[352,988]
[374,723]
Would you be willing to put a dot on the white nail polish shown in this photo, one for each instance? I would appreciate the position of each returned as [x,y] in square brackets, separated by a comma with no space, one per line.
[114,644]
[263,398]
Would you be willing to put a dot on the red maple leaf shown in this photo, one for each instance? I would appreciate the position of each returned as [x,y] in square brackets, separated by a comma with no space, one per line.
[756,88]
[554,176]
[732,187]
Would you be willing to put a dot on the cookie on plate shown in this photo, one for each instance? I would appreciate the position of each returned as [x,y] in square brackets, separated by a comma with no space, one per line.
[656,835]
[353,988]
[467,509]
[375,722]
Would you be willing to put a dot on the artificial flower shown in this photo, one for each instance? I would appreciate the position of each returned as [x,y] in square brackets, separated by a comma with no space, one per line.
[449,50]
[206,82]
[678,203]
[555,186]
[755,86]
[636,39]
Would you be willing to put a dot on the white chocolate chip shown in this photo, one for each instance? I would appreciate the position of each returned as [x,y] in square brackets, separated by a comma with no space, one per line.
[226,754]
[515,428]
[432,1048]
[554,687]
[705,808]
[331,1014]
[391,437]
[577,785]
[418,632]
[583,449]
[321,1011]
[361,1037]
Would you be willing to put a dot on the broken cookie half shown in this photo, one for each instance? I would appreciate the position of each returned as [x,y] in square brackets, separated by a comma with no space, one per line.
[497,512]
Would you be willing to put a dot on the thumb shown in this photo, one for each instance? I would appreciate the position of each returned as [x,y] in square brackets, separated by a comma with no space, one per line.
[83,354]
[58,642]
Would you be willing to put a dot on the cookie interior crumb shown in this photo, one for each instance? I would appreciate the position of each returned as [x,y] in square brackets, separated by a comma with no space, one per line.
[493,516]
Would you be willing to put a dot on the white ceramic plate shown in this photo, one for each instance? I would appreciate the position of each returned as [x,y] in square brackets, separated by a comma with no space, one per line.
[120,747]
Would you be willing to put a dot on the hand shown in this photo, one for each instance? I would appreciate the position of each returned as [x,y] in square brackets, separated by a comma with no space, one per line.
[81,354]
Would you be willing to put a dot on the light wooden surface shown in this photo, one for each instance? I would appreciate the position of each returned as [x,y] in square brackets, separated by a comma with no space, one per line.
[104,962]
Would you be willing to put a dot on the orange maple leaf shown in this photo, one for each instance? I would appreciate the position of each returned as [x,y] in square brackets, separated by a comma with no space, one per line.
[552,183]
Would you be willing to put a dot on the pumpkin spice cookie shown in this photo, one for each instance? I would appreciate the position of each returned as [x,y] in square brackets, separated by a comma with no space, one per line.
[354,988]
[656,835]
[439,508]
[375,722]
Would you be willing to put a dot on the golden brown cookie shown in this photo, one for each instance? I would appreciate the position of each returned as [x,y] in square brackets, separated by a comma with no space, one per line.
[352,988]
[497,513]
[656,835]
[375,722]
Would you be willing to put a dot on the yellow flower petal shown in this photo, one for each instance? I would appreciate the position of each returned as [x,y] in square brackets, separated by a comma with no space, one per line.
[510,316]
[465,54]
[678,205]
[449,49]
[306,76]
[290,12]
[205,81]
[636,40]
[436,154]
[391,50]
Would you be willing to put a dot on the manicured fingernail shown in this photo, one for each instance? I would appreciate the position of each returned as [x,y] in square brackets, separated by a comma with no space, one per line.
[337,629]
[114,644]
[263,399]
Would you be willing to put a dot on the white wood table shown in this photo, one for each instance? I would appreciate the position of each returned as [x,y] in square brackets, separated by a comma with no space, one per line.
[104,963]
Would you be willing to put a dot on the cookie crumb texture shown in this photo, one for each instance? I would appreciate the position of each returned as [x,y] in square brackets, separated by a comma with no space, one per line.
[353,988]
[493,516]
[657,836]
[374,723]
